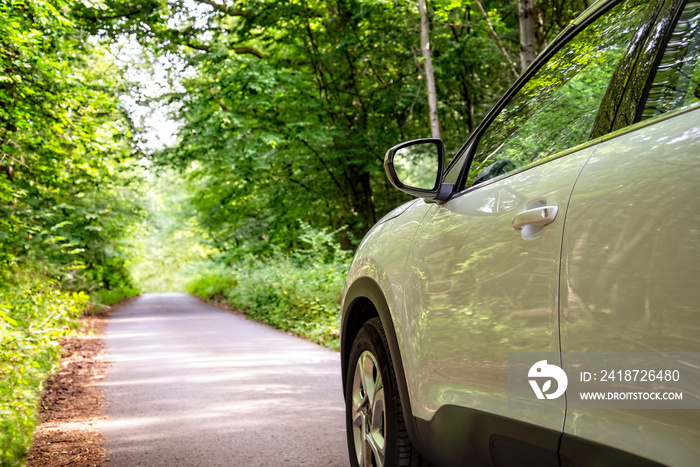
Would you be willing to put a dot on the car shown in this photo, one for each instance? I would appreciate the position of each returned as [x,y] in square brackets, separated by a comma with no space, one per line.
[560,246]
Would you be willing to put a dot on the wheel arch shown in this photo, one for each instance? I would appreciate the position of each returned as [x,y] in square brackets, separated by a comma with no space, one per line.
[363,301]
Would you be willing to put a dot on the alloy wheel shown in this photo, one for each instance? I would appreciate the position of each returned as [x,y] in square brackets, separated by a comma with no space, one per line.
[368,412]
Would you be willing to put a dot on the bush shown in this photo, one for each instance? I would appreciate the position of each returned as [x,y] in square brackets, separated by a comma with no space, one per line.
[108,297]
[34,315]
[297,292]
[214,283]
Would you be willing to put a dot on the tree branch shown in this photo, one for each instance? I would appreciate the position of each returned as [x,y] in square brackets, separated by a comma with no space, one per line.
[244,49]
[328,170]
[127,14]
[196,46]
[498,41]
[240,50]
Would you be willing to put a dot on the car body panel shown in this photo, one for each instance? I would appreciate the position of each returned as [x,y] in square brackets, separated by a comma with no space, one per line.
[477,289]
[630,274]
[381,256]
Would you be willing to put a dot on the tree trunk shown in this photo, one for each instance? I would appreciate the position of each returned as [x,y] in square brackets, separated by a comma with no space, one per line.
[527,33]
[428,65]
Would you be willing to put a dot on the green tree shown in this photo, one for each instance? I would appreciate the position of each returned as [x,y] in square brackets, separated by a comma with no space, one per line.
[65,197]
[64,147]
[288,106]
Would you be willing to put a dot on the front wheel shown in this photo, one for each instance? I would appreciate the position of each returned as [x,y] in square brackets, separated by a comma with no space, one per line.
[375,425]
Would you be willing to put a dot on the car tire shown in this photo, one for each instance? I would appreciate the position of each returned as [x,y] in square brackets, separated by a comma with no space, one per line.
[376,430]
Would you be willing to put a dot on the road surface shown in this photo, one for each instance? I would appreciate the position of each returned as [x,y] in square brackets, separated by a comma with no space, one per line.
[192,385]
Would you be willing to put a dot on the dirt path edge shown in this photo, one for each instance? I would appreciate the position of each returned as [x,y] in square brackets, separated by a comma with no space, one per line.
[72,401]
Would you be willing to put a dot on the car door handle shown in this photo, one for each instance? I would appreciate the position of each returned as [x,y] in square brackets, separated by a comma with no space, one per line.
[543,215]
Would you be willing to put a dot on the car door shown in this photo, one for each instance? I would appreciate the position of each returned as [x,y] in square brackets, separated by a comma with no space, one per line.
[631,257]
[482,279]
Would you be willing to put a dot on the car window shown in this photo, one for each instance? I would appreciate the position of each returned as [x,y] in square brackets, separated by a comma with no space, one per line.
[556,109]
[676,82]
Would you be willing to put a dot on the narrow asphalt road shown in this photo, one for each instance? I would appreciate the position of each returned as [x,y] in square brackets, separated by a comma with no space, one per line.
[192,385]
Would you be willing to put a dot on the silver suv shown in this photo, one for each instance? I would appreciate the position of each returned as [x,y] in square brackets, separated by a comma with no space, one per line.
[567,225]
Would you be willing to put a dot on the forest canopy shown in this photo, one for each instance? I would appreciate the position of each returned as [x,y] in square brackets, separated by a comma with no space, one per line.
[288,106]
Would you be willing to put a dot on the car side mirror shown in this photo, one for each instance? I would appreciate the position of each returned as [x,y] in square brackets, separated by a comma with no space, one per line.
[415,167]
